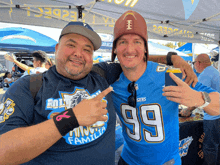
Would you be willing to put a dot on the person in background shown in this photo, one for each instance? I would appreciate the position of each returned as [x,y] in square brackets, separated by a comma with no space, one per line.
[209,76]
[49,63]
[8,78]
[149,111]
[39,61]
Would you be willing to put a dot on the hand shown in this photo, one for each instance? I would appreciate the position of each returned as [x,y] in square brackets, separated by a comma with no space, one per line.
[89,111]
[186,69]
[182,93]
[9,58]
[185,112]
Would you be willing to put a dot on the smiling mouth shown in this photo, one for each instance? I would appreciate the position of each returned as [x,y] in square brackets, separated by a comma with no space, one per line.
[76,62]
[130,57]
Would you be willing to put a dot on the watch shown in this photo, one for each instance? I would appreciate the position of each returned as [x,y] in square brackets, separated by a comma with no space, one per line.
[169,54]
[206,98]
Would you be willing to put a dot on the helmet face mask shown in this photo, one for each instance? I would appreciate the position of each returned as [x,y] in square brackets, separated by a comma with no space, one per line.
[130,22]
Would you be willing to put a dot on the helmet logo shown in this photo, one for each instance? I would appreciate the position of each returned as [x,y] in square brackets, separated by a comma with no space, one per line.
[129,24]
[129,14]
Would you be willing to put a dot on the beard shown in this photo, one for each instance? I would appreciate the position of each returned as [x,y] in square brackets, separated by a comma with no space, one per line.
[69,71]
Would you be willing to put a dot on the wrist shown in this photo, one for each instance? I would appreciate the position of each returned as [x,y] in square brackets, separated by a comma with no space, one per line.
[15,61]
[170,57]
[201,101]
[66,121]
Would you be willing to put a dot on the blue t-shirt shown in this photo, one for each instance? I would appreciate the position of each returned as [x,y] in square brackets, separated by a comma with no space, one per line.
[151,130]
[210,77]
[83,145]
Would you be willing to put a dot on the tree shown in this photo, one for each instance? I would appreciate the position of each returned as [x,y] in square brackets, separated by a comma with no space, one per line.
[170,45]
[181,44]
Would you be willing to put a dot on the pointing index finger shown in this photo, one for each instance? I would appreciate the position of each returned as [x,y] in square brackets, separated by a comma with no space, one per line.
[104,93]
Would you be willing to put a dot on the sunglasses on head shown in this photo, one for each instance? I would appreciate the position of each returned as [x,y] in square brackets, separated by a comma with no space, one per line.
[132,99]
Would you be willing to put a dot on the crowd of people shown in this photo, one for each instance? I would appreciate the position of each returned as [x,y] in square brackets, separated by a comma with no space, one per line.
[56,127]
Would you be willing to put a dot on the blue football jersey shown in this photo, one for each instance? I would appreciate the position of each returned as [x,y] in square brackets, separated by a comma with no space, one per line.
[151,129]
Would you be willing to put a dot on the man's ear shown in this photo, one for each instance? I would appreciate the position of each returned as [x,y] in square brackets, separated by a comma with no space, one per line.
[115,51]
[56,47]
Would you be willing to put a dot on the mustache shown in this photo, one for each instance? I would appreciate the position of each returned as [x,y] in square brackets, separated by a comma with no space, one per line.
[76,59]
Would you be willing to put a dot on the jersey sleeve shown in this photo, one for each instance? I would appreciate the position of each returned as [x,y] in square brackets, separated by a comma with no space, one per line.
[16,108]
[112,70]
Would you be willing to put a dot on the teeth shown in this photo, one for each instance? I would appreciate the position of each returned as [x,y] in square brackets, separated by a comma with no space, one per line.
[130,56]
[77,62]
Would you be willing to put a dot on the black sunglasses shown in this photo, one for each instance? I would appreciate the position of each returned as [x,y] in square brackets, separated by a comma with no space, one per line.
[132,100]
[195,62]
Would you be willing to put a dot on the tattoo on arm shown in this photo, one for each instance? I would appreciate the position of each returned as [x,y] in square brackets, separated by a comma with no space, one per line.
[158,59]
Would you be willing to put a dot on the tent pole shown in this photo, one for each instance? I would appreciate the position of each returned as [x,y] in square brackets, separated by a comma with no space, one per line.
[193,51]
[219,56]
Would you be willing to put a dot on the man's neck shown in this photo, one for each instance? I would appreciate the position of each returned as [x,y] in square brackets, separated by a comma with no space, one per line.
[133,74]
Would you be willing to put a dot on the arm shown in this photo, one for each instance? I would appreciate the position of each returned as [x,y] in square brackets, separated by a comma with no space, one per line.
[26,143]
[183,94]
[178,62]
[6,81]
[19,64]
[187,111]
[213,107]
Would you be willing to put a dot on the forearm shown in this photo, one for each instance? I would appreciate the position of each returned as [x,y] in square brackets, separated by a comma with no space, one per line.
[26,143]
[213,108]
[191,108]
[22,66]
[158,59]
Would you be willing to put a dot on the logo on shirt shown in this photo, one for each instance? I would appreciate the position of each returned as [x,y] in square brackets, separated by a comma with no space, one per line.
[6,110]
[82,134]
[184,146]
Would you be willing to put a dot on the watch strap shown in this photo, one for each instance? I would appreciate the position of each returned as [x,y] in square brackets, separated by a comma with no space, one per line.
[169,55]
[207,100]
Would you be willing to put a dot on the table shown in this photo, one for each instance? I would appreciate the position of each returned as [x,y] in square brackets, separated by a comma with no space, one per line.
[190,145]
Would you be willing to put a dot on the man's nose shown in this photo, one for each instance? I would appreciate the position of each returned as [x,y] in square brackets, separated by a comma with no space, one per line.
[78,52]
[130,48]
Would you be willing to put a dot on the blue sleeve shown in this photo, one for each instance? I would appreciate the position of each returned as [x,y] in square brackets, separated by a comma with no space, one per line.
[202,88]
[205,78]
[112,70]
[16,108]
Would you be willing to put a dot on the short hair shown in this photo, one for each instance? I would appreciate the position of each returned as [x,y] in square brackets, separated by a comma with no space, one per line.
[40,56]
[6,74]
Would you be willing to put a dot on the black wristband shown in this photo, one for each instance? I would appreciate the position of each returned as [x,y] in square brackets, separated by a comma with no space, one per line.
[169,54]
[65,121]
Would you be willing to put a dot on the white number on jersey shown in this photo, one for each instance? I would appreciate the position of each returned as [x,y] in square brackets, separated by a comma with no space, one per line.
[156,122]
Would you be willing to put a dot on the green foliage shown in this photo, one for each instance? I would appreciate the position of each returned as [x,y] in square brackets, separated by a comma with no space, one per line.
[181,44]
[170,45]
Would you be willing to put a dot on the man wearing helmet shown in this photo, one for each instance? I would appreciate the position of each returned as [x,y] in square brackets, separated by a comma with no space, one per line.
[148,110]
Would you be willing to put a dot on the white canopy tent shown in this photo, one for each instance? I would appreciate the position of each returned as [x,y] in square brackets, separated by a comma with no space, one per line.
[195,21]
